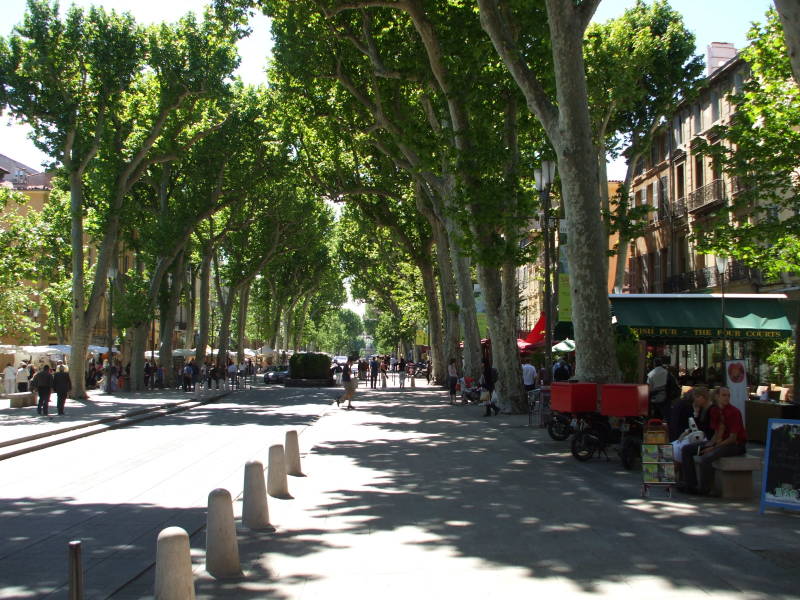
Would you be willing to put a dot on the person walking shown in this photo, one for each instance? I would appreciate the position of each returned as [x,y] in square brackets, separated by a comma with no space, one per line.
[528,375]
[452,379]
[22,378]
[373,372]
[561,370]
[487,383]
[384,372]
[401,372]
[10,378]
[43,382]
[62,385]
[349,386]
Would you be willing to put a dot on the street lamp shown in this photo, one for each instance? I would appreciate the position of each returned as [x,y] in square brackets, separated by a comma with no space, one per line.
[722,265]
[544,179]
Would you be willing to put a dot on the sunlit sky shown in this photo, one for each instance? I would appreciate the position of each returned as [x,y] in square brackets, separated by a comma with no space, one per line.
[711,21]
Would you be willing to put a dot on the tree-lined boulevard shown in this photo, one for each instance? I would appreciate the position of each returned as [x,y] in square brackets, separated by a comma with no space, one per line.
[404,495]
[421,158]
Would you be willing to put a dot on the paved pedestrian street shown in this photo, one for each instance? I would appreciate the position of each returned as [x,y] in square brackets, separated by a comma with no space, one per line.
[406,496]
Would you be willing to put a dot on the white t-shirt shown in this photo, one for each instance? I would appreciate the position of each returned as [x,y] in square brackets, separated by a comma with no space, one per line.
[657,380]
[10,373]
[528,374]
[22,375]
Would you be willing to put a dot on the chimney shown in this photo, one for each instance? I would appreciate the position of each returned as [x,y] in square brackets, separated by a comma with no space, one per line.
[718,54]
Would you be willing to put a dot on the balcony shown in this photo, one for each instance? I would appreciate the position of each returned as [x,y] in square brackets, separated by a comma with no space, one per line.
[708,195]
[708,277]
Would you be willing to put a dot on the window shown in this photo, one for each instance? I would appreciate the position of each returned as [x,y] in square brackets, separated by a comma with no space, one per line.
[663,190]
[680,180]
[637,198]
[698,171]
[697,119]
[738,83]
[714,107]
[677,131]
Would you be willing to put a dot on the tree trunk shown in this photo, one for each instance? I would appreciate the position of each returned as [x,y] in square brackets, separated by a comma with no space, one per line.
[138,338]
[789,11]
[452,330]
[225,332]
[447,289]
[244,298]
[434,321]
[191,308]
[586,244]
[468,313]
[168,314]
[499,291]
[80,329]
[205,283]
[568,127]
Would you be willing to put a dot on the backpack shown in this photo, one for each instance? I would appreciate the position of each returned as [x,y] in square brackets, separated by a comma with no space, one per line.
[673,389]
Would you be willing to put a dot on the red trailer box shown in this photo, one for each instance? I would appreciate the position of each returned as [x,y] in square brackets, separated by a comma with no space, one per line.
[624,399]
[573,397]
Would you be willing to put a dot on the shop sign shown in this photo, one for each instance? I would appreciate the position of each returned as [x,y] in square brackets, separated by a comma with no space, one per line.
[681,332]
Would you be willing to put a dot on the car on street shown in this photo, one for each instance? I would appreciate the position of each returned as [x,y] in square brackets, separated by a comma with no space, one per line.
[276,374]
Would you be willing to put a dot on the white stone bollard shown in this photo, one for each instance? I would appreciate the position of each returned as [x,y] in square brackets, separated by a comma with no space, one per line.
[277,485]
[413,383]
[222,548]
[174,579]
[255,511]
[293,454]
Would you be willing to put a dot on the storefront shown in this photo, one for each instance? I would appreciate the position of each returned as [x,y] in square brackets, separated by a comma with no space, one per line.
[697,330]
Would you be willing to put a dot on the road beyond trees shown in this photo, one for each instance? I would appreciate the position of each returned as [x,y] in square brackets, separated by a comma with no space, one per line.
[404,497]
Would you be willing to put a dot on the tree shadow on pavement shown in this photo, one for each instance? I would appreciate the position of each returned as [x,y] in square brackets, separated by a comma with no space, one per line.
[119,549]
[492,490]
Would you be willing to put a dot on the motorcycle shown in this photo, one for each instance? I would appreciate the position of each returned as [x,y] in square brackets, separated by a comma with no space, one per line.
[559,427]
[595,434]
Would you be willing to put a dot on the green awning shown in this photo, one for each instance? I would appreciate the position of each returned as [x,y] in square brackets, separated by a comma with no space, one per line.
[746,316]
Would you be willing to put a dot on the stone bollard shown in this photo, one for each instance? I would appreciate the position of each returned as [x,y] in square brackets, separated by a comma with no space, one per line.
[174,579]
[255,511]
[293,454]
[277,486]
[222,549]
[413,384]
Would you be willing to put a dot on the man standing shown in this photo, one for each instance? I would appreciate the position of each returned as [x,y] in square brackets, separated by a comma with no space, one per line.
[43,382]
[561,370]
[62,385]
[373,372]
[9,378]
[528,375]
[22,378]
[657,382]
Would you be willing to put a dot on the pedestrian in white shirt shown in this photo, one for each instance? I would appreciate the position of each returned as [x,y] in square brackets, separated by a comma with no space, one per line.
[10,379]
[528,375]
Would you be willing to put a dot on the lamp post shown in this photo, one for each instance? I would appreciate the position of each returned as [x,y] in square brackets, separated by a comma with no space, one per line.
[544,179]
[722,265]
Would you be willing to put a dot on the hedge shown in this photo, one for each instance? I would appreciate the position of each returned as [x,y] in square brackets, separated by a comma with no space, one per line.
[310,365]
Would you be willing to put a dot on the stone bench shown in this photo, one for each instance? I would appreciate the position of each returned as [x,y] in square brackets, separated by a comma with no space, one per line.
[733,476]
[21,399]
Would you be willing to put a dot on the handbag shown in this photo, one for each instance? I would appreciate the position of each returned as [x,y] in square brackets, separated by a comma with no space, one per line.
[486,397]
